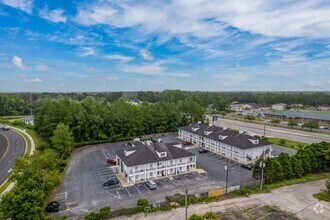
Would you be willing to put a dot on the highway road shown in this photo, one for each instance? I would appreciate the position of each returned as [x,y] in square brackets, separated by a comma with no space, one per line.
[272,131]
[12,146]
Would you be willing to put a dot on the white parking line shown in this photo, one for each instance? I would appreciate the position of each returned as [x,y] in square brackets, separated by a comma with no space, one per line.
[117,196]
[146,187]
[128,192]
[137,189]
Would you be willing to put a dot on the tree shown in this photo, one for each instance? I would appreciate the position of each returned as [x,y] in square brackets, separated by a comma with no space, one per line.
[20,203]
[312,124]
[297,169]
[269,170]
[278,171]
[250,117]
[221,104]
[62,139]
[276,121]
[223,113]
[284,160]
[292,123]
[256,172]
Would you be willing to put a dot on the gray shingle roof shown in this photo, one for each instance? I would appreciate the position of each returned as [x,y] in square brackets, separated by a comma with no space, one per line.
[145,154]
[301,114]
[235,139]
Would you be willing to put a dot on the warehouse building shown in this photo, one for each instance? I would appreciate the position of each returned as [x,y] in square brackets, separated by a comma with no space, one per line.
[234,145]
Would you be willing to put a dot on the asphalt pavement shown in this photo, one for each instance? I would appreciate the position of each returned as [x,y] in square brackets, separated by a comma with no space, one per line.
[273,131]
[12,146]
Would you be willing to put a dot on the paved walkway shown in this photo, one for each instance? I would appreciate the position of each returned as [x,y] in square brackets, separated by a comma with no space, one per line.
[296,199]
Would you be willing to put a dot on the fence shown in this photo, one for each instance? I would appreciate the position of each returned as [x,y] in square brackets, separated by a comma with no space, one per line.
[177,198]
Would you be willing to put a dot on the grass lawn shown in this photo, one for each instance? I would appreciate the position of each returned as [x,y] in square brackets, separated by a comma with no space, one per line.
[268,187]
[287,143]
[324,196]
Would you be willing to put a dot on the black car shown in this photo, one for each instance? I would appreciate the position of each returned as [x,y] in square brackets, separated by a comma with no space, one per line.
[53,207]
[247,166]
[111,182]
[201,151]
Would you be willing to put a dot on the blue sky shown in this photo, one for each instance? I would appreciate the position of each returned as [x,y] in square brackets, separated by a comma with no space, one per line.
[208,45]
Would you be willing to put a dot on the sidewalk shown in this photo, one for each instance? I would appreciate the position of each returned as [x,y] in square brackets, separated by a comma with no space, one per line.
[296,199]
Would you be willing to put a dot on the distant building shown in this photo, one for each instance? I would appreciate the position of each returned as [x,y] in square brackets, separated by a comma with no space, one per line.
[301,116]
[235,145]
[29,120]
[154,160]
[279,107]
[323,108]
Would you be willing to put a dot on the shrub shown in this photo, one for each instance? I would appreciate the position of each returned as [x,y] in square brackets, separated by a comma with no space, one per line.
[282,141]
[142,202]
[182,200]
[195,217]
[192,200]
[104,213]
[210,216]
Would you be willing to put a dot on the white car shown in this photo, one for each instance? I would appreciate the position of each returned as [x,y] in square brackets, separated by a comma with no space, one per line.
[5,127]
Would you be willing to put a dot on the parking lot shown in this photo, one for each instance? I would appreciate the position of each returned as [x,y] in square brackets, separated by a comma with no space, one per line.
[214,165]
[82,189]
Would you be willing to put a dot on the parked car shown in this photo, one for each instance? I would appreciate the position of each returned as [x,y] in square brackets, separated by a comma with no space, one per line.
[53,206]
[202,151]
[151,184]
[111,161]
[247,166]
[5,127]
[111,182]
[186,143]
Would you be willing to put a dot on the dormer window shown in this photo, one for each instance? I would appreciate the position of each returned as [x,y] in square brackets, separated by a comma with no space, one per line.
[128,152]
[161,154]
[222,137]
[254,141]
[207,132]
[195,129]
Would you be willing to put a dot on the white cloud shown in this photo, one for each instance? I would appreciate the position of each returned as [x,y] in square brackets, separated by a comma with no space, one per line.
[152,69]
[146,55]
[314,84]
[17,62]
[209,18]
[24,5]
[118,57]
[55,16]
[33,80]
[86,51]
[112,78]
[42,67]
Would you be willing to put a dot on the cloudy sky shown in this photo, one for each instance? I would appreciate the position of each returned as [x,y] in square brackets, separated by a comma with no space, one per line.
[209,45]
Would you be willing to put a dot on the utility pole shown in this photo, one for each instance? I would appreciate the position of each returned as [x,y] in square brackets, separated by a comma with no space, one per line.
[186,203]
[227,175]
[262,166]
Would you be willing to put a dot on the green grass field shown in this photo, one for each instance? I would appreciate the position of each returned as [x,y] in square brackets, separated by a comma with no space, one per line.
[287,143]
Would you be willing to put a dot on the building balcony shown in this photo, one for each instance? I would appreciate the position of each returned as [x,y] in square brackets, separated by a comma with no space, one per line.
[139,171]
[171,165]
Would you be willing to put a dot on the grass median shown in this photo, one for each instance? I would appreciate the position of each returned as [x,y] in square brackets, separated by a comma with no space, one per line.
[287,143]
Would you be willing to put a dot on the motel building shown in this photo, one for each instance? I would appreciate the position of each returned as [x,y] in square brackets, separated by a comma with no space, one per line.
[144,161]
[234,145]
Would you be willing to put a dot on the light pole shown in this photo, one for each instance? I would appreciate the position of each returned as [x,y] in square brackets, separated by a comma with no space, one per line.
[186,203]
[264,129]
[226,167]
[262,166]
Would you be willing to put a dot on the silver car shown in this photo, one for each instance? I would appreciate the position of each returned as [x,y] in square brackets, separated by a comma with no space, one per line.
[151,184]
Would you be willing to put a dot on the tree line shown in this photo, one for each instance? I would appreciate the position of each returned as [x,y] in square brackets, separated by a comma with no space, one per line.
[310,159]
[20,103]
[92,120]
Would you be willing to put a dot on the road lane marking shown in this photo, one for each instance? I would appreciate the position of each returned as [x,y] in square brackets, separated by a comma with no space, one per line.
[7,146]
[137,190]
[128,192]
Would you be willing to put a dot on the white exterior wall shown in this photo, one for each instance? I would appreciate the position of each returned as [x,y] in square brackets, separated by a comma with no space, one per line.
[225,150]
[156,170]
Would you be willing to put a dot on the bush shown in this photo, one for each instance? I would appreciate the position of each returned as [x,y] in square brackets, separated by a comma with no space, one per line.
[104,213]
[210,216]
[241,192]
[182,200]
[192,200]
[142,202]
[195,217]
[282,141]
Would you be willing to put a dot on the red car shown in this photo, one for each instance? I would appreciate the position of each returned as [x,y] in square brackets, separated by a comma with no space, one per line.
[111,161]
[186,143]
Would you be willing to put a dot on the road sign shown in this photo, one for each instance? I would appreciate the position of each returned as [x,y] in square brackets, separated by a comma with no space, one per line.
[215,118]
